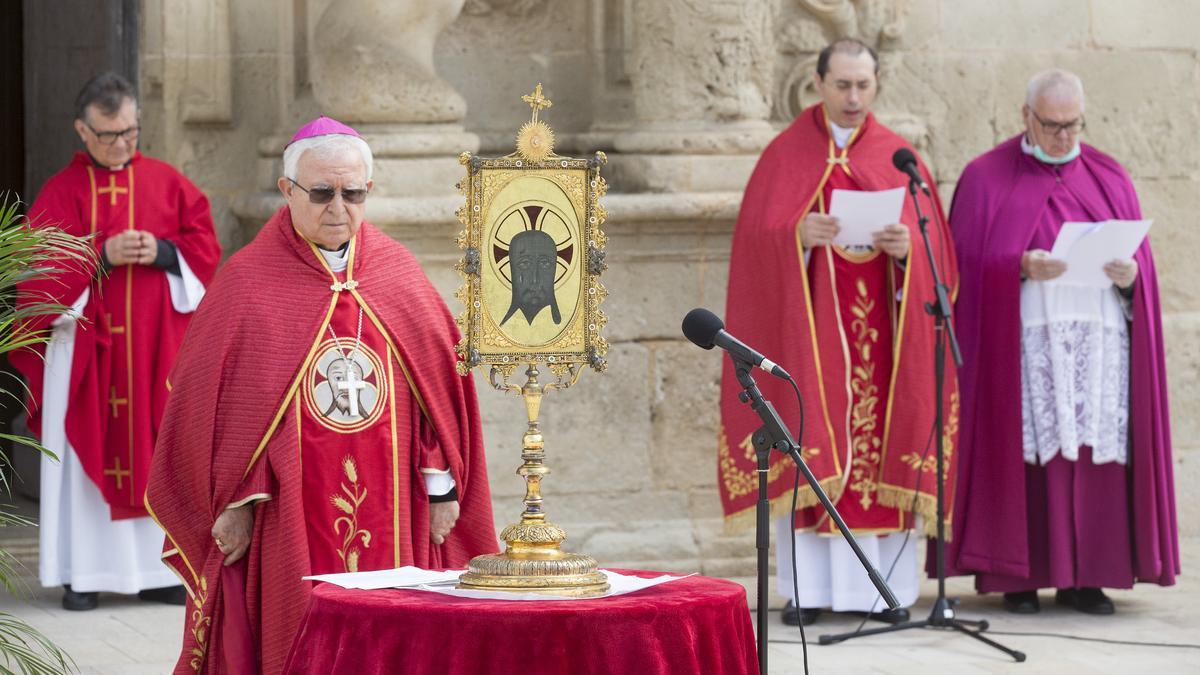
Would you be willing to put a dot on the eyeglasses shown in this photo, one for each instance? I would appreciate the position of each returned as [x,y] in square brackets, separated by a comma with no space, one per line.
[324,195]
[1052,128]
[110,137]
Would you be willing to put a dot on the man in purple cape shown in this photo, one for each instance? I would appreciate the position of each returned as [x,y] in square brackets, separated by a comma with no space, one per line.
[1065,478]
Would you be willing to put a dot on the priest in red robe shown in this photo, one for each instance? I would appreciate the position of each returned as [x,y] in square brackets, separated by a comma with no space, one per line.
[317,423]
[1066,471]
[849,324]
[99,387]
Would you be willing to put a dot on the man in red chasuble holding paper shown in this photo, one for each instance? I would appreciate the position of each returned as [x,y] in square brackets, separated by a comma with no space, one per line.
[99,387]
[317,423]
[850,325]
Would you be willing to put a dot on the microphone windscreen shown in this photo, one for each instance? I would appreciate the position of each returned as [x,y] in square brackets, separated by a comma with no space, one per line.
[701,327]
[902,158]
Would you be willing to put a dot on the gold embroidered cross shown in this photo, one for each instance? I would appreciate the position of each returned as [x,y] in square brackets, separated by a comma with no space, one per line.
[112,190]
[118,472]
[339,286]
[842,161]
[116,330]
[114,401]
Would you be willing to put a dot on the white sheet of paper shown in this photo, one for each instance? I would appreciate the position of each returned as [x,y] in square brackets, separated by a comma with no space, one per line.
[415,578]
[1088,247]
[402,577]
[861,213]
[618,584]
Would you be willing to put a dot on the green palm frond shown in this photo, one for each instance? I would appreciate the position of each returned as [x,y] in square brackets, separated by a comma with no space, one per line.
[24,650]
[29,251]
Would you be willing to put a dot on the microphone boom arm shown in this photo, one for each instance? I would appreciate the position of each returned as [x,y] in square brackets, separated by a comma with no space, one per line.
[774,434]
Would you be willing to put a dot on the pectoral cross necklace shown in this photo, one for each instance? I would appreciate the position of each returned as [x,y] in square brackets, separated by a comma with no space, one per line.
[352,385]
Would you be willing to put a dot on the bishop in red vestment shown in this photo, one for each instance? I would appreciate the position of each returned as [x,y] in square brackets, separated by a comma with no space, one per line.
[99,387]
[317,423]
[851,328]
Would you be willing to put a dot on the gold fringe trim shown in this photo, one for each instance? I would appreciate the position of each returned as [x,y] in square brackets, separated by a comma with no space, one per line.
[745,519]
[926,507]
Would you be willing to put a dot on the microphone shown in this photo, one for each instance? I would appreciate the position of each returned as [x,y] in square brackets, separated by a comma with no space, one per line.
[704,329]
[906,162]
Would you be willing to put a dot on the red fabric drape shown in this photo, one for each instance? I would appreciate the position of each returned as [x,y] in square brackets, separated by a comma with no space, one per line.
[693,625]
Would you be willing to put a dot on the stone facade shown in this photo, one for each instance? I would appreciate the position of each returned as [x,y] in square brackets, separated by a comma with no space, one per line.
[683,95]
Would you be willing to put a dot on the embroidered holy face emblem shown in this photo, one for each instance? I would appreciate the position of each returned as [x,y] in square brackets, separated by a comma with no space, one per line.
[344,387]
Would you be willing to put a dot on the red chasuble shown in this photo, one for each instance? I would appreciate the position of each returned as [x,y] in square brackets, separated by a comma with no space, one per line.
[327,438]
[351,406]
[850,328]
[130,332]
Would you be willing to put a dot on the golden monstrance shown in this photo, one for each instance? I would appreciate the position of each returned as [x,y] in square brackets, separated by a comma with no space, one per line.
[533,253]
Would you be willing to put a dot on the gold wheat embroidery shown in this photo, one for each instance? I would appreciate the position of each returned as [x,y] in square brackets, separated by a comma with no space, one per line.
[200,626]
[348,503]
[864,418]
[929,463]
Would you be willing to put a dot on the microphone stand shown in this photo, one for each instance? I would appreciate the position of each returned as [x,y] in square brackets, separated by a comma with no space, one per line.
[774,434]
[942,616]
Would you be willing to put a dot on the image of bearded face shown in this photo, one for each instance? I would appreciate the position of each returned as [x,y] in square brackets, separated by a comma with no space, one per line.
[337,373]
[533,259]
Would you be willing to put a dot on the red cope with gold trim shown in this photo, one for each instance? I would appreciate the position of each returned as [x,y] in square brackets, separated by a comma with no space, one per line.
[238,428]
[130,332]
[862,358]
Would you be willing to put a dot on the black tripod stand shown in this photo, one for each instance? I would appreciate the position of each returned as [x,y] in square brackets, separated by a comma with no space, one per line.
[942,617]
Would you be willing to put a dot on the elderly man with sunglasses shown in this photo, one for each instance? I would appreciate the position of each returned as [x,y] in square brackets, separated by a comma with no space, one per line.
[318,423]
[99,387]
[1065,476]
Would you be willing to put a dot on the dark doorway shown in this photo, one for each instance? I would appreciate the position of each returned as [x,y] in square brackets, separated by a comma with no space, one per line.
[66,43]
[50,50]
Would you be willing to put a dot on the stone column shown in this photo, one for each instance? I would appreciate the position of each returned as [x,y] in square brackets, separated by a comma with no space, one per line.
[701,79]
[371,66]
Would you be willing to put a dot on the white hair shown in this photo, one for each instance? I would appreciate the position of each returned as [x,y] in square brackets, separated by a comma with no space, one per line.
[1058,83]
[326,146]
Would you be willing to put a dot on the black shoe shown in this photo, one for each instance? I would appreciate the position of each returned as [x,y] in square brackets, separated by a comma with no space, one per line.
[1025,602]
[79,602]
[171,595]
[1086,600]
[806,615]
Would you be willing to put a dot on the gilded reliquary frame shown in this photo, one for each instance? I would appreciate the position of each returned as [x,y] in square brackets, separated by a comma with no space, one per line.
[533,253]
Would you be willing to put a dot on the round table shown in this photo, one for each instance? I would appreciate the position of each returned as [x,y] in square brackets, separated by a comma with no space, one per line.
[693,625]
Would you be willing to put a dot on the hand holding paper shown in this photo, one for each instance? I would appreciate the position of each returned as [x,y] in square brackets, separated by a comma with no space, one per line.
[818,229]
[1087,248]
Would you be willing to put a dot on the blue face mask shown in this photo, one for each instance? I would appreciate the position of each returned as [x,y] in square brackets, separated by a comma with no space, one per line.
[1041,155]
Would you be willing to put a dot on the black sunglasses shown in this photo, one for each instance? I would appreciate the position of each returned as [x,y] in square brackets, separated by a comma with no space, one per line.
[324,195]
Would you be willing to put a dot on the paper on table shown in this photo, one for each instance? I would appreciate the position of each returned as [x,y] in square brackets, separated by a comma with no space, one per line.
[618,584]
[415,578]
[861,213]
[402,577]
[1088,247]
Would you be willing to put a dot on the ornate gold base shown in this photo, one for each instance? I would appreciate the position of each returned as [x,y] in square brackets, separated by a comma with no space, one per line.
[534,563]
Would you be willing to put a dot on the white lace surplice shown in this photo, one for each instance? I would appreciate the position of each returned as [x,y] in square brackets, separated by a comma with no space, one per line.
[1074,372]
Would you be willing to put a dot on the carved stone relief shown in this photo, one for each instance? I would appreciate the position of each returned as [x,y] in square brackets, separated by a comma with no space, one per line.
[374,62]
[804,27]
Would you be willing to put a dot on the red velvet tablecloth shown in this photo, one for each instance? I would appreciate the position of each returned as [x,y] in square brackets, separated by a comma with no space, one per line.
[693,625]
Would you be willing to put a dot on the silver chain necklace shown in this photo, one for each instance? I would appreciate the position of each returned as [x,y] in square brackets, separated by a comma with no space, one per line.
[337,343]
[352,385]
